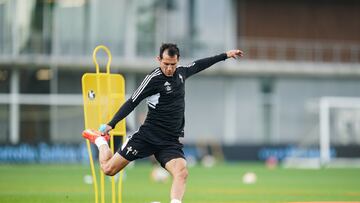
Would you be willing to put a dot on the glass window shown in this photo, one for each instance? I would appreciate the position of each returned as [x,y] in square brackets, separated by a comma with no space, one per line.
[67,124]
[4,81]
[69,81]
[35,81]
[4,123]
[5,25]
[71,27]
[146,28]
[108,24]
[34,124]
[37,27]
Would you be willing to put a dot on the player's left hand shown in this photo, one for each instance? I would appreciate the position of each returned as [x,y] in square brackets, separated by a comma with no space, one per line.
[237,53]
[104,129]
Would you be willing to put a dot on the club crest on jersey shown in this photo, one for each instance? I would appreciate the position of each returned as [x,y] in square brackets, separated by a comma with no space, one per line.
[167,86]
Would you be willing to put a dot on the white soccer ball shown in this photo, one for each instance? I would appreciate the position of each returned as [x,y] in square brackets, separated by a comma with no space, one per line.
[88,179]
[208,161]
[249,178]
[159,174]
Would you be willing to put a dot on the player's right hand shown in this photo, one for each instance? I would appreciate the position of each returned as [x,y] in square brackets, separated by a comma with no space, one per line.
[237,53]
[104,129]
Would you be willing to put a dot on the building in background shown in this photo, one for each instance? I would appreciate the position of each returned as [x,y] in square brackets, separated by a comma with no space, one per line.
[295,53]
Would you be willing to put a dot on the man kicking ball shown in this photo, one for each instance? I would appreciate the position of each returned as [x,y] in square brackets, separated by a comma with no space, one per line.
[164,88]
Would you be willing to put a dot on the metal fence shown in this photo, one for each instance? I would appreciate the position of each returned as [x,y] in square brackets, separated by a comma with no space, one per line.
[301,50]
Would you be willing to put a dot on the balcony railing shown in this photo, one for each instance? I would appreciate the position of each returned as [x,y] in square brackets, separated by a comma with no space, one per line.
[301,50]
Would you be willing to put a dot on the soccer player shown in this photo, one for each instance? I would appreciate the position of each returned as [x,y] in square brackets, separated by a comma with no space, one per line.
[164,88]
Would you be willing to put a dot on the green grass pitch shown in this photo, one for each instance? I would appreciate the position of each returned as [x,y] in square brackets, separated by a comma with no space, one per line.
[220,184]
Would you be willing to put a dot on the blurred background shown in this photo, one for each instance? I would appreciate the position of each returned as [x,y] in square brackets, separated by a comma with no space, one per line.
[296,89]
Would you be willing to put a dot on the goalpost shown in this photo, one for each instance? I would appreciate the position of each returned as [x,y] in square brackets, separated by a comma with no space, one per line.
[334,140]
[348,114]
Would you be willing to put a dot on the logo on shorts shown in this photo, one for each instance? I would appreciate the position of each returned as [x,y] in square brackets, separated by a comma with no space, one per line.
[130,149]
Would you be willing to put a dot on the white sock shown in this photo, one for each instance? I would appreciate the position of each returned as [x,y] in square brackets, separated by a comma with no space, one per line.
[100,141]
[175,201]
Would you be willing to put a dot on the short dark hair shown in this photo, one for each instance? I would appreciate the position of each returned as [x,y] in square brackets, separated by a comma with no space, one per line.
[173,50]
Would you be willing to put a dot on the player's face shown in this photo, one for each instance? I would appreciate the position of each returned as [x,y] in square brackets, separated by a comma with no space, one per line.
[168,64]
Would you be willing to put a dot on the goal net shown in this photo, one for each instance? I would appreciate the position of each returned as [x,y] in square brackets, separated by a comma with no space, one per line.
[335,139]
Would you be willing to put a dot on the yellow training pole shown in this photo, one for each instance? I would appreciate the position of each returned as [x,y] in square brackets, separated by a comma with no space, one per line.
[109,58]
[93,174]
[112,178]
[91,160]
[100,118]
[103,94]
[120,178]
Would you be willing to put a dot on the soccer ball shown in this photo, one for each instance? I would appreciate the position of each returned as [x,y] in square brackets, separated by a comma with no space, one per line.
[88,179]
[159,174]
[208,161]
[249,178]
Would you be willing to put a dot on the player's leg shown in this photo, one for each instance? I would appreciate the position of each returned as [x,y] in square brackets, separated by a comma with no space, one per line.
[178,170]
[110,163]
[133,148]
[172,158]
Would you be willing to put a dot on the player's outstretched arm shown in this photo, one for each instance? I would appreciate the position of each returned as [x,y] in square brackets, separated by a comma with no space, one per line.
[124,110]
[146,89]
[236,53]
[204,63]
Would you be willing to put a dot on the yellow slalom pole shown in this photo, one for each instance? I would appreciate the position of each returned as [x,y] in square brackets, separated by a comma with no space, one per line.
[93,174]
[120,178]
[102,176]
[109,58]
[112,178]
[91,160]
[112,138]
[99,105]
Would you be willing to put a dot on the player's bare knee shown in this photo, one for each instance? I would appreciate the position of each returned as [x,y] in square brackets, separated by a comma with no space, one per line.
[182,174]
[108,169]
